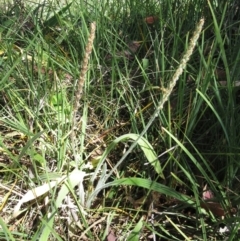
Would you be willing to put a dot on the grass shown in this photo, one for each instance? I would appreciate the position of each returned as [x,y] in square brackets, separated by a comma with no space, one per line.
[101,141]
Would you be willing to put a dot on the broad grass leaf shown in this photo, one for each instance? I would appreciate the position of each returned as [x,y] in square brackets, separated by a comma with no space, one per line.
[35,193]
[147,150]
[144,145]
[74,178]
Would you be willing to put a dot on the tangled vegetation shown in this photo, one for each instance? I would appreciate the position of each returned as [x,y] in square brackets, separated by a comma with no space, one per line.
[119,120]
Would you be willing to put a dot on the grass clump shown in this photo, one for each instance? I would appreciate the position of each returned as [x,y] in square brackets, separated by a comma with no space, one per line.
[119,121]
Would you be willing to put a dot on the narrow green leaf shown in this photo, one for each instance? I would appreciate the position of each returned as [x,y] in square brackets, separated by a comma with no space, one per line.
[54,20]
[148,184]
[8,234]
[215,112]
[135,234]
[144,145]
[28,144]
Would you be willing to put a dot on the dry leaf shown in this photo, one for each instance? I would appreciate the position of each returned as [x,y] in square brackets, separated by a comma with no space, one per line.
[111,236]
[214,207]
[151,19]
[129,53]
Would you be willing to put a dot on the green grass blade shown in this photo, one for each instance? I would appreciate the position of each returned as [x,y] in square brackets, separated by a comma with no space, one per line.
[29,144]
[216,114]
[8,234]
[135,233]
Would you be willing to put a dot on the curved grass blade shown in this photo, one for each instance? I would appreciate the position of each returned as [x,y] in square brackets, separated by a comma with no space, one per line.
[144,145]
[216,114]
[148,184]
